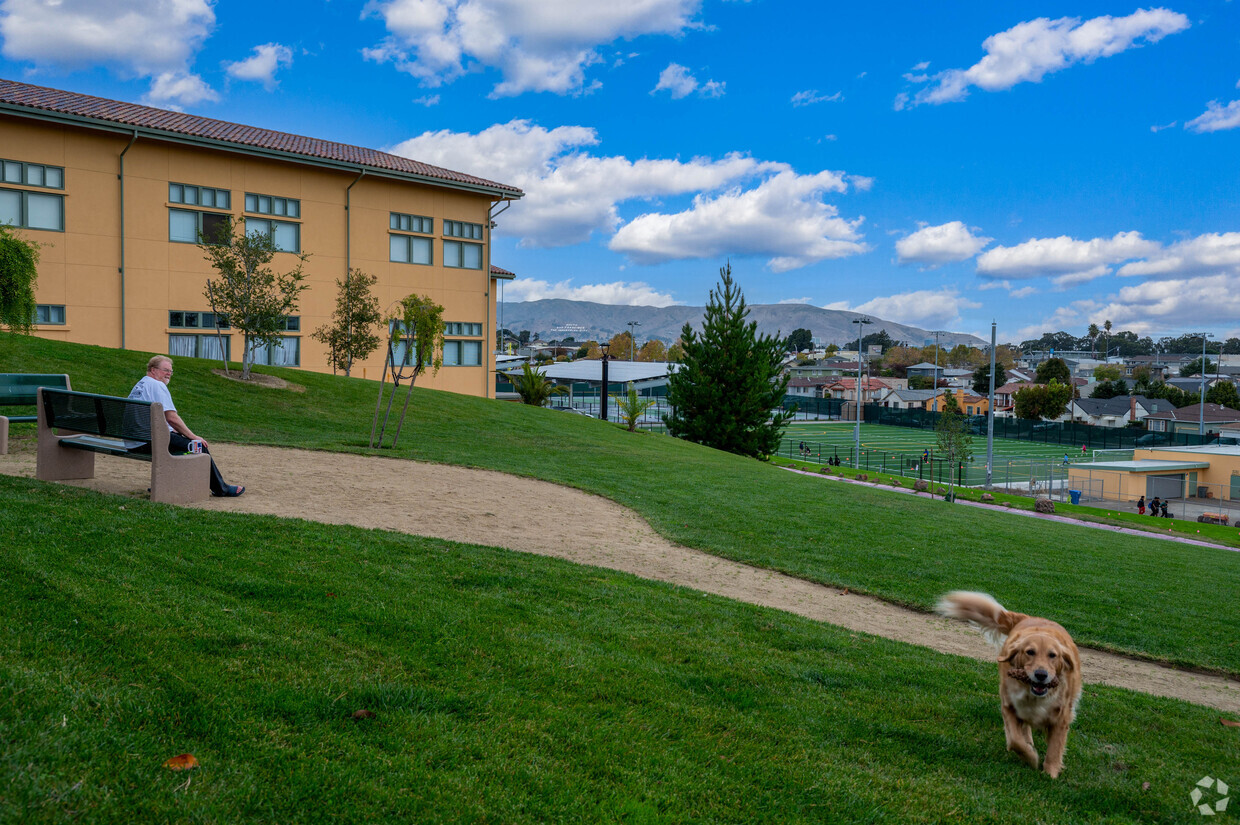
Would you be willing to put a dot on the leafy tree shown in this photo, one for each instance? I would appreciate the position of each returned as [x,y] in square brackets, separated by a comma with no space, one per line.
[1194,368]
[1053,369]
[1093,334]
[959,356]
[583,351]
[1006,355]
[253,297]
[352,334]
[632,406]
[878,339]
[523,337]
[1109,389]
[951,435]
[1038,401]
[1141,378]
[622,346]
[832,349]
[1231,346]
[676,352]
[415,342]
[981,378]
[800,339]
[535,388]
[1106,328]
[1224,392]
[899,359]
[1177,397]
[19,272]
[729,382]
[652,350]
[1107,372]
[921,382]
[1187,343]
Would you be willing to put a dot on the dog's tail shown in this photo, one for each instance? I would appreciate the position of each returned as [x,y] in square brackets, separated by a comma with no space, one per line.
[981,611]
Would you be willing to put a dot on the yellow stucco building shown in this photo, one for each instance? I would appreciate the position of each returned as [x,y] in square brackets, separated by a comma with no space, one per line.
[118,193]
[1207,474]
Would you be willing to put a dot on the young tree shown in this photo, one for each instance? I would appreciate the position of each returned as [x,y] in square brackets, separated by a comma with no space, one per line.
[1038,401]
[351,335]
[1224,392]
[676,352]
[832,349]
[1107,372]
[729,384]
[1194,368]
[952,439]
[800,339]
[632,406]
[621,346]
[415,342]
[981,378]
[253,297]
[1093,334]
[535,388]
[19,271]
[1053,369]
[652,350]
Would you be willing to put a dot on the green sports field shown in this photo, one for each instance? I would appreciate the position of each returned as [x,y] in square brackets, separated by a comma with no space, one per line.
[902,450]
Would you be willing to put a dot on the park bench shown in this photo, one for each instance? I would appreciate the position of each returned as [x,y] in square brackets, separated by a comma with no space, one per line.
[1213,518]
[18,390]
[122,427]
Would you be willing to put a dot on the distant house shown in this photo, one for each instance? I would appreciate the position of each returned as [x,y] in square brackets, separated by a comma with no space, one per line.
[1192,386]
[846,388]
[1117,411]
[809,387]
[905,399]
[967,402]
[1003,395]
[924,370]
[1188,419]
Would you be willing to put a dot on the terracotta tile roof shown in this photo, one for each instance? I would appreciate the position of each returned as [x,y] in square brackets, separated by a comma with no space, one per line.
[495,270]
[21,96]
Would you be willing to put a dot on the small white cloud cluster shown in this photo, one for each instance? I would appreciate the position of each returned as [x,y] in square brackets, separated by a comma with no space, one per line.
[680,82]
[937,245]
[571,194]
[923,307]
[537,45]
[620,293]
[1029,51]
[261,66]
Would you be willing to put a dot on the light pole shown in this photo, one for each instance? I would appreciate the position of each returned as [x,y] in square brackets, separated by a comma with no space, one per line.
[1201,406]
[632,338]
[602,399]
[990,411]
[937,333]
[860,322]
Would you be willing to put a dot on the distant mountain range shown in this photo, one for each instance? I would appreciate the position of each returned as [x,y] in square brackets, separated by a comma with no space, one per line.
[557,318]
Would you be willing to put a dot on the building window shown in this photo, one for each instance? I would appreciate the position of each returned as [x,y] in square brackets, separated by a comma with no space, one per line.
[462,353]
[270,205]
[284,235]
[409,249]
[291,323]
[32,210]
[185,226]
[284,353]
[459,255]
[462,329]
[199,196]
[457,229]
[49,314]
[33,174]
[178,319]
[412,223]
[215,347]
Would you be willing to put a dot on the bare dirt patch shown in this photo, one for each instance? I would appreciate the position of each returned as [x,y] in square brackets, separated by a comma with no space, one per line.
[519,514]
[258,379]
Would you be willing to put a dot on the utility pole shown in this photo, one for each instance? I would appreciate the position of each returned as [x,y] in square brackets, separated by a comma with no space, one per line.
[937,333]
[1201,406]
[990,412]
[860,322]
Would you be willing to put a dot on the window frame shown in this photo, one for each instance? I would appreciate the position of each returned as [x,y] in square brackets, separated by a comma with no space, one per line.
[272,222]
[198,190]
[463,229]
[270,202]
[219,321]
[461,255]
[64,315]
[198,339]
[396,218]
[24,209]
[198,214]
[24,170]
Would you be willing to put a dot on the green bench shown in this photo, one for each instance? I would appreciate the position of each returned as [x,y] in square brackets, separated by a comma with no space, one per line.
[18,390]
[91,424]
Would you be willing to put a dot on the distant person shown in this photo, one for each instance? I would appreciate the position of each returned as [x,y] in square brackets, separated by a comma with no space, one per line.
[1084,450]
[1141,506]
[1066,460]
[154,387]
[1154,507]
[1165,514]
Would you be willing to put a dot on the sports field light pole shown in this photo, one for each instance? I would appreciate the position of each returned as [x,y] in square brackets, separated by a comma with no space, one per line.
[990,412]
[860,322]
[602,397]
[1201,406]
[632,338]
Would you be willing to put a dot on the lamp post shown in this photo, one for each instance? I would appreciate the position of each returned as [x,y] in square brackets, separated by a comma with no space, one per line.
[990,411]
[860,322]
[1201,406]
[937,333]
[602,399]
[632,338]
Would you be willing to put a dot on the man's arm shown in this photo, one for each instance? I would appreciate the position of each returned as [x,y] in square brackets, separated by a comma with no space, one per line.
[175,422]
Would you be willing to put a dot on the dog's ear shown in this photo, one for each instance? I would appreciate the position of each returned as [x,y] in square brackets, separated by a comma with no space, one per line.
[1010,653]
[1069,662]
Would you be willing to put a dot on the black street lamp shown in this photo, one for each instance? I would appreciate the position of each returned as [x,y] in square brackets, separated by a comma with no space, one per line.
[603,394]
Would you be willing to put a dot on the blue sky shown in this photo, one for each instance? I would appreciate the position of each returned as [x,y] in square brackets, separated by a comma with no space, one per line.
[1044,165]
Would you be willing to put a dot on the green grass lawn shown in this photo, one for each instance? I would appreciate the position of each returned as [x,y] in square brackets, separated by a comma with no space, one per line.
[1149,598]
[504,688]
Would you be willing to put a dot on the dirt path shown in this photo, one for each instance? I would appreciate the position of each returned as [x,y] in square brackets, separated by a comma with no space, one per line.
[494,509]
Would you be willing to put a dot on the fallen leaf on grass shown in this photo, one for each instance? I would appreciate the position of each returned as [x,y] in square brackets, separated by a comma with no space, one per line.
[1231,723]
[183,762]
[363,714]
[1145,786]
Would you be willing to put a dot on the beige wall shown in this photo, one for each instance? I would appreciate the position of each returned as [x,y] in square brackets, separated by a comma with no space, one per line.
[80,267]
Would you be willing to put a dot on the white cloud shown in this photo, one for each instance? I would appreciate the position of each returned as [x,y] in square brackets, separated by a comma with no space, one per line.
[617,292]
[262,65]
[796,300]
[143,38]
[1156,307]
[783,217]
[677,80]
[935,245]
[1216,118]
[924,308]
[571,194]
[427,100]
[1023,292]
[1063,256]
[1029,51]
[1202,255]
[537,45]
[811,96]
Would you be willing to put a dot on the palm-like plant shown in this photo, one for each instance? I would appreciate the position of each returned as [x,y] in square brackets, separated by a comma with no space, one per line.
[1106,325]
[632,407]
[535,388]
[1093,334]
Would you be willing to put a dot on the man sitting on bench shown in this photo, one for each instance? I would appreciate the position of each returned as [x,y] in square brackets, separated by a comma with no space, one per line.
[154,387]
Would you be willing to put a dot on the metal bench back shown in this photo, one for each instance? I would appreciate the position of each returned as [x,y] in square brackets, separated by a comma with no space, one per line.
[102,415]
[18,389]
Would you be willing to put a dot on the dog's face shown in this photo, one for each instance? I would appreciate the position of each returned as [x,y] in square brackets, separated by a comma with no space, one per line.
[1038,658]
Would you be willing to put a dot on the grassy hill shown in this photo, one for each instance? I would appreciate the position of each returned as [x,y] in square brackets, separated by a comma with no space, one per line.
[512,688]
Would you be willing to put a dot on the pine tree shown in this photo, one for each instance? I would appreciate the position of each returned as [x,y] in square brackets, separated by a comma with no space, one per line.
[729,383]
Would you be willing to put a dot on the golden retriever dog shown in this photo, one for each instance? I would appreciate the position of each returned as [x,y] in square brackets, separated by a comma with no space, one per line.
[1039,674]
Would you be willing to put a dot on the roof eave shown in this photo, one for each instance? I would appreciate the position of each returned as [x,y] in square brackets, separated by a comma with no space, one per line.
[100,124]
